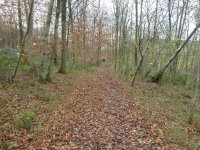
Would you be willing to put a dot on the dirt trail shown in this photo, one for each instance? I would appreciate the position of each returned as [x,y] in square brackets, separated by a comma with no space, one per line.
[102,117]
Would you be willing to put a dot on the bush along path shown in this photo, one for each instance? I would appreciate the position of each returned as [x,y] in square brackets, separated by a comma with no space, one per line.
[101,117]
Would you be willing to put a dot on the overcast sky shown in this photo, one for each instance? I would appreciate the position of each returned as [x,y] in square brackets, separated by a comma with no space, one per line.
[108,6]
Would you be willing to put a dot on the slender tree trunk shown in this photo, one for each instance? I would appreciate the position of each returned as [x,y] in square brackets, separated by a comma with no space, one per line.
[179,34]
[30,34]
[64,32]
[170,19]
[116,31]
[139,65]
[26,9]
[27,6]
[99,33]
[136,32]
[20,24]
[55,41]
[46,41]
[23,42]
[72,30]
[197,91]
[155,22]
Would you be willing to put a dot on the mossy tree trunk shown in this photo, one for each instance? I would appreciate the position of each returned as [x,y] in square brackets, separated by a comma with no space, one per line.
[45,41]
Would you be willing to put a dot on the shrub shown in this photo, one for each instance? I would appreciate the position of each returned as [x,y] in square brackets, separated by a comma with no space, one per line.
[23,84]
[24,120]
[34,70]
[181,79]
[8,57]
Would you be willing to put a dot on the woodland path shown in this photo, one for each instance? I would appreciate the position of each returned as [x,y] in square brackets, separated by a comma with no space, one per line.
[103,117]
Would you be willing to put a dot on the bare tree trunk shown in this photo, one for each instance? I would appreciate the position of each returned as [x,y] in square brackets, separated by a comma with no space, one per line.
[27,6]
[139,65]
[170,19]
[72,30]
[23,42]
[64,32]
[179,34]
[46,41]
[155,22]
[53,53]
[84,31]
[136,32]
[20,23]
[99,34]
[30,34]
[26,9]
[196,95]
[116,31]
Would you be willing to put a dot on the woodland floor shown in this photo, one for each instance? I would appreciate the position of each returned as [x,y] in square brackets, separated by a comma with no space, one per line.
[94,111]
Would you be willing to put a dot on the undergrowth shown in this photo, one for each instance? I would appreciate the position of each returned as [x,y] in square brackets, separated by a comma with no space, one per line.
[24,119]
[171,104]
[79,67]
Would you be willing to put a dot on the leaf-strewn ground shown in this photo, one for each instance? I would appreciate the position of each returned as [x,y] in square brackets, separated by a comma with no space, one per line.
[95,113]
[102,117]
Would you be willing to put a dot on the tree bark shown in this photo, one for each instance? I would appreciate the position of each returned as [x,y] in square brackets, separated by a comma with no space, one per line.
[23,42]
[139,65]
[136,32]
[196,95]
[20,24]
[64,31]
[116,31]
[55,41]
[72,30]
[46,40]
